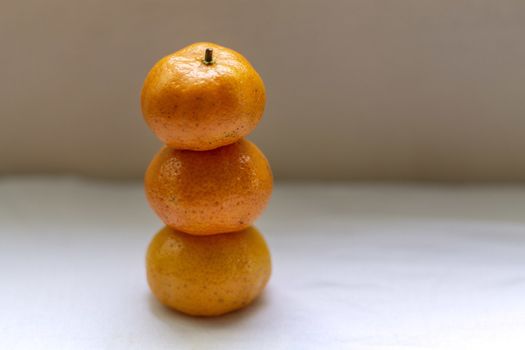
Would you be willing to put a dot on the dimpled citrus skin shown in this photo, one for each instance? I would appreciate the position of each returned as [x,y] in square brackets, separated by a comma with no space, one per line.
[191,105]
[207,276]
[209,192]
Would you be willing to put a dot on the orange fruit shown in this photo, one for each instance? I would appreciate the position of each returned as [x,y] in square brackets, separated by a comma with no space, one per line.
[207,276]
[209,192]
[195,102]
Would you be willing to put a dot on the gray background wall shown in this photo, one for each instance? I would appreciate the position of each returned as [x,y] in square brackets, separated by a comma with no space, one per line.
[406,89]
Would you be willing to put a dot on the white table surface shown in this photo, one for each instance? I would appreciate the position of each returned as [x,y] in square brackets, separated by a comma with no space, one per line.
[359,266]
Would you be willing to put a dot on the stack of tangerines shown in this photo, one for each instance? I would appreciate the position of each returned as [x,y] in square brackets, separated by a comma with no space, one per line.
[208,184]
